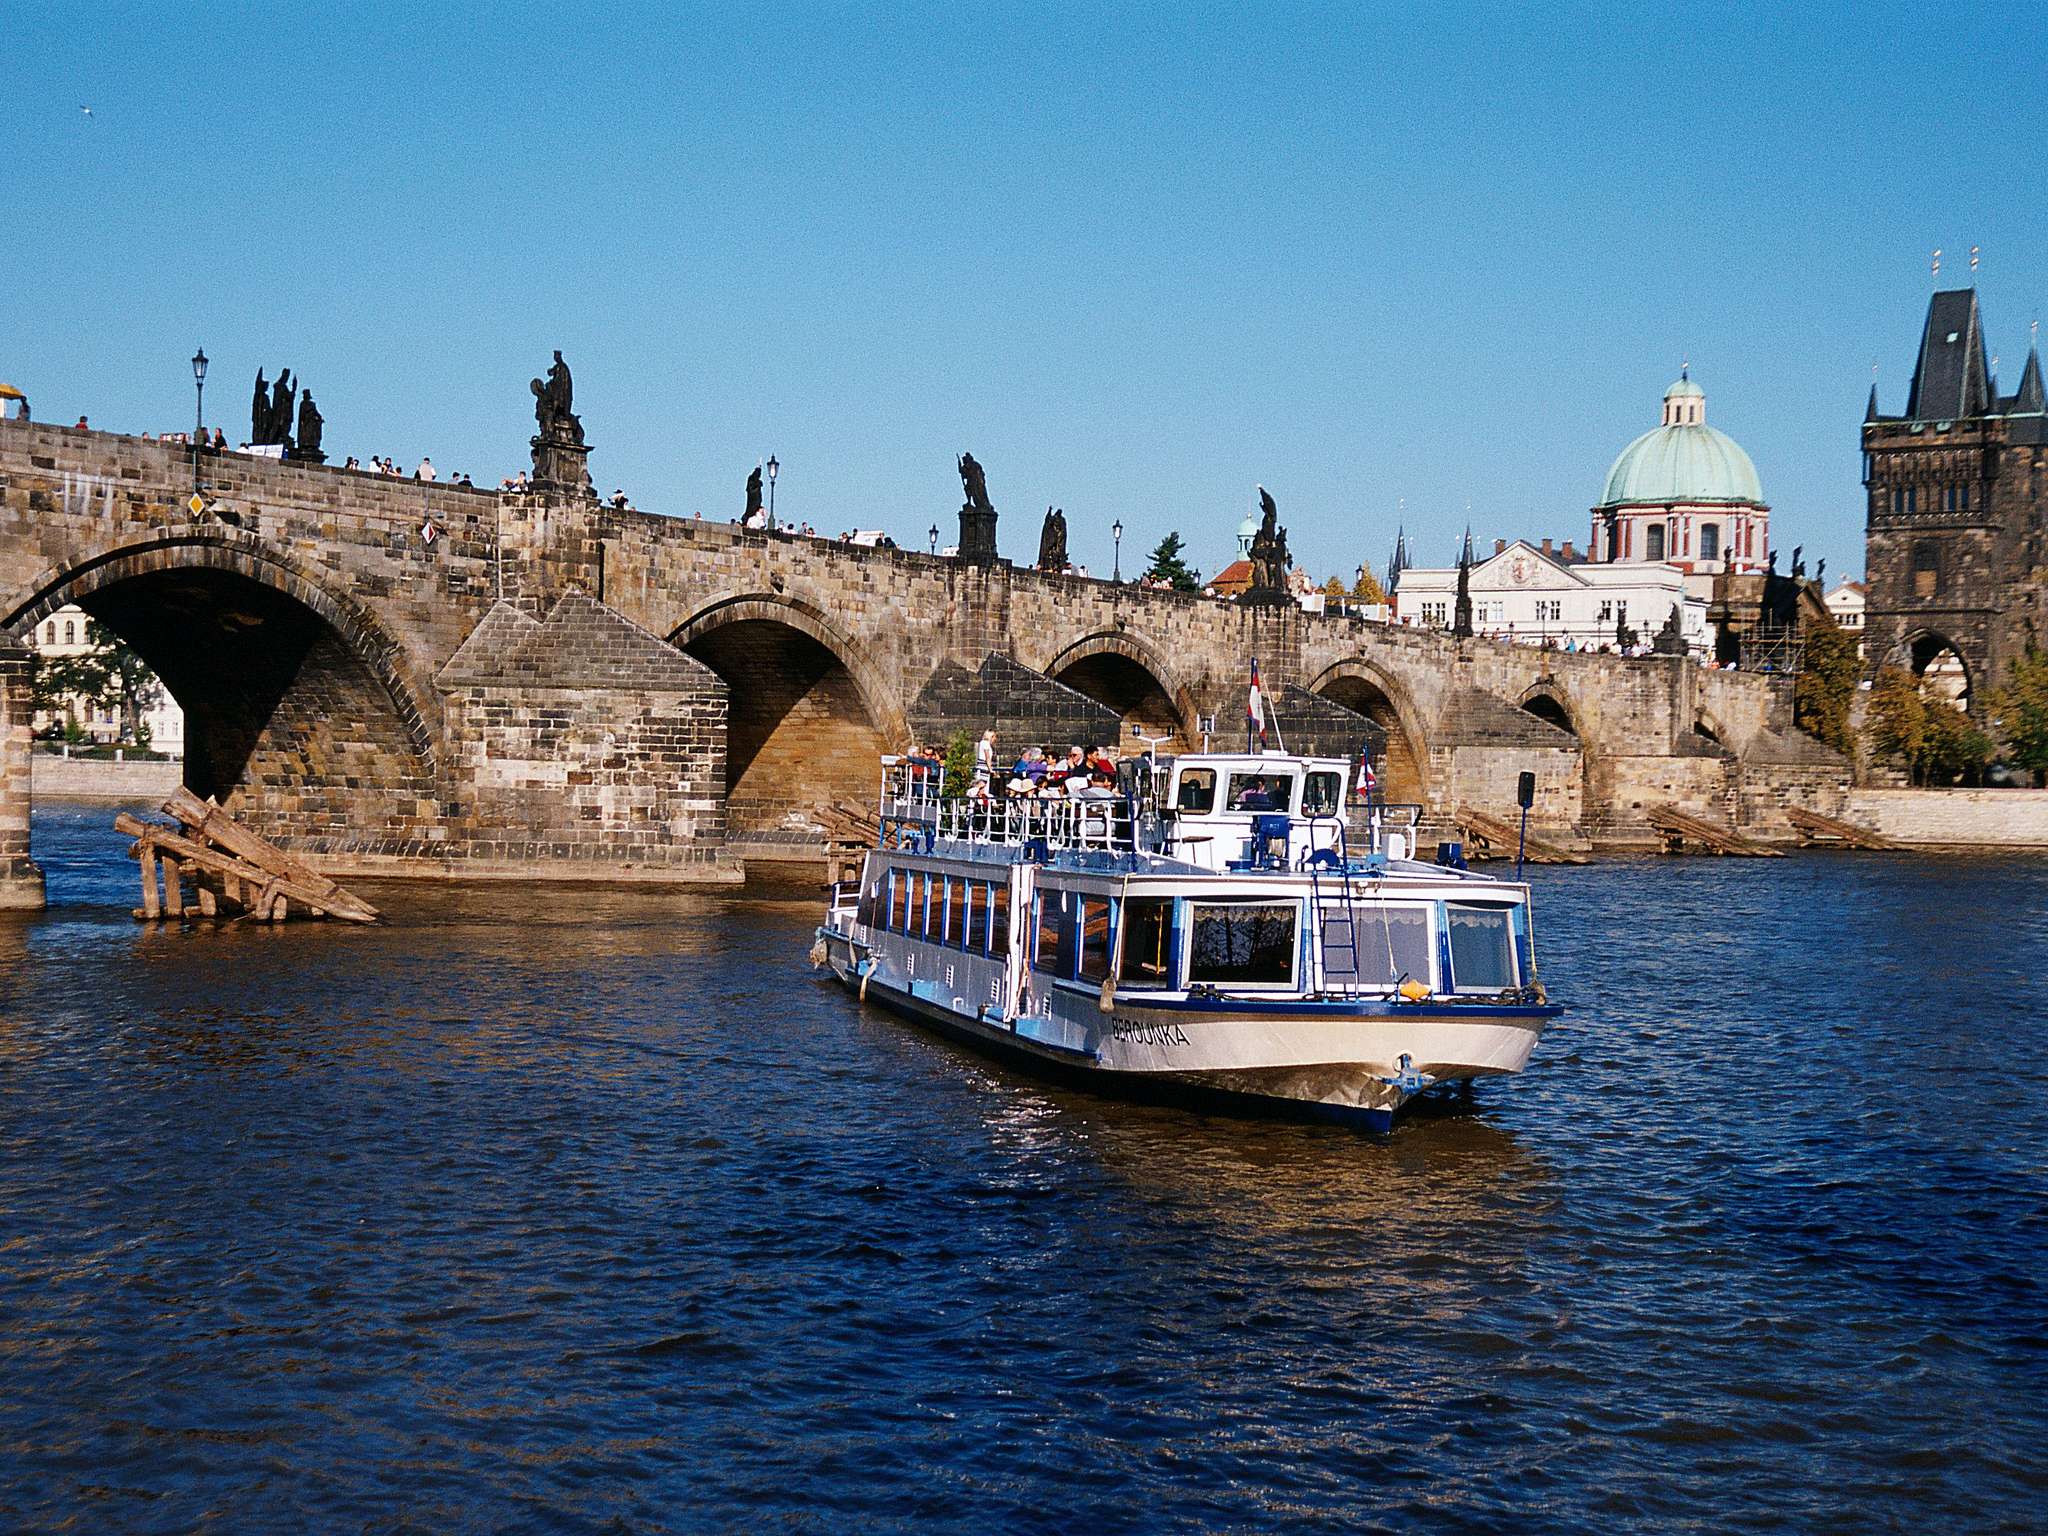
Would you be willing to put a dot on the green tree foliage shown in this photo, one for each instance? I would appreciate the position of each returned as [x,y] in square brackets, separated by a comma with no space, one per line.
[2020,706]
[1935,742]
[109,674]
[1168,566]
[1826,687]
[959,761]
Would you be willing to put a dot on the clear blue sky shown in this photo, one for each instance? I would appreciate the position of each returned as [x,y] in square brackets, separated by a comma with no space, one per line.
[1136,261]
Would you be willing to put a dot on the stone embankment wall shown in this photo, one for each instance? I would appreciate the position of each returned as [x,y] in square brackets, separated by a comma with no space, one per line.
[99,778]
[1955,818]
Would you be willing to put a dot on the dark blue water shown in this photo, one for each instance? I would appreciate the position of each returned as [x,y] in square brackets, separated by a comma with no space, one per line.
[590,1210]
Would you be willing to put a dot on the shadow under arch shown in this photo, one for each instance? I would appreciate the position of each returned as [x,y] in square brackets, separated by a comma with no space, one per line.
[1128,674]
[1366,689]
[289,688]
[1552,705]
[809,712]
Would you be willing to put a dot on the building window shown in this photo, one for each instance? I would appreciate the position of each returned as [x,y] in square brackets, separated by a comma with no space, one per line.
[70,632]
[1962,498]
[1926,568]
[1653,542]
[1549,610]
[1607,611]
[1436,613]
[1710,541]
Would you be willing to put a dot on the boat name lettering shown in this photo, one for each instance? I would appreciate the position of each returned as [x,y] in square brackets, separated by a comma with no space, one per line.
[1143,1032]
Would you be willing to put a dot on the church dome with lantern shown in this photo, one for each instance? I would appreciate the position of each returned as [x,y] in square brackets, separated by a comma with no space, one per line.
[1683,492]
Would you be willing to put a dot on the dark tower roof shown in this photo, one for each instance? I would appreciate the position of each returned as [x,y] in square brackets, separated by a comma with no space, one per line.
[2030,397]
[1870,411]
[1950,380]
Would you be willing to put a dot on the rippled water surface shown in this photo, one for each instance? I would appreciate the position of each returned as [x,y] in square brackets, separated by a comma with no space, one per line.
[592,1210]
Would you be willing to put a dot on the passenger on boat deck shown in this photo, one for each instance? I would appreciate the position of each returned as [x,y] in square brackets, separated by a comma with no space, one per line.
[1255,796]
[1028,774]
[925,766]
[985,762]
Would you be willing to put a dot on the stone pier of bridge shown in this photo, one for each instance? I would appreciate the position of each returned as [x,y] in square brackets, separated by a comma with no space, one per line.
[427,680]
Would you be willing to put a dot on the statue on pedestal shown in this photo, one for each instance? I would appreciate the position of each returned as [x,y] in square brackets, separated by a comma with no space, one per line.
[1669,641]
[311,422]
[753,511]
[977,514]
[560,457]
[1270,560]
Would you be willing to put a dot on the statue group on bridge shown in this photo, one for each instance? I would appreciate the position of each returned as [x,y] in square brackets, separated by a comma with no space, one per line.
[560,457]
[1052,541]
[1270,560]
[270,419]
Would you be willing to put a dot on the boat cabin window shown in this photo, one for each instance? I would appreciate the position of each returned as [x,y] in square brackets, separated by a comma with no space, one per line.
[971,932]
[898,901]
[1261,790]
[1148,942]
[956,911]
[1376,945]
[873,900]
[1482,949]
[999,919]
[918,885]
[1324,795]
[1094,939]
[1241,944]
[1054,954]
[1195,794]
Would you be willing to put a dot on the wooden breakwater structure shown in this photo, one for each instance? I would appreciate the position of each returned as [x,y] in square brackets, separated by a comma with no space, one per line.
[233,872]
[1680,831]
[1815,829]
[1490,837]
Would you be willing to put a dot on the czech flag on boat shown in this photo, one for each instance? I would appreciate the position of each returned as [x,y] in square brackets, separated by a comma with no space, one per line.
[1255,709]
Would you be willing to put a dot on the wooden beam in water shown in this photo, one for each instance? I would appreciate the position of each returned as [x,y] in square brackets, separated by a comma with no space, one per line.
[1680,828]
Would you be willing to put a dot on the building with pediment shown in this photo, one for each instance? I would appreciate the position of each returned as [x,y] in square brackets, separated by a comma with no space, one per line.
[1523,594]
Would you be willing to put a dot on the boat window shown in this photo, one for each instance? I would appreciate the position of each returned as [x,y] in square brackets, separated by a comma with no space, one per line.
[1196,795]
[1241,944]
[1261,790]
[1324,795]
[1148,942]
[1383,947]
[956,912]
[971,930]
[999,919]
[1094,939]
[1053,952]
[918,884]
[871,900]
[1482,953]
[898,901]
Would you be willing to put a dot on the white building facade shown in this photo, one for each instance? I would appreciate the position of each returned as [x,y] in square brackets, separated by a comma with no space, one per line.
[1527,597]
[1846,604]
[66,633]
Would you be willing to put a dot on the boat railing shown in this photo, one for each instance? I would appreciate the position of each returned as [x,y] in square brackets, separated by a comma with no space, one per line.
[1106,825]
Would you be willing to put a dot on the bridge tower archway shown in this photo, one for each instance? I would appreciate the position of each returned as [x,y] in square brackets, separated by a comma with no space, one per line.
[1365,689]
[1127,675]
[299,714]
[1938,662]
[809,714]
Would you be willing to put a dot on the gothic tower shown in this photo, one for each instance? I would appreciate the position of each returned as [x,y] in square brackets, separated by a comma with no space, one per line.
[1958,506]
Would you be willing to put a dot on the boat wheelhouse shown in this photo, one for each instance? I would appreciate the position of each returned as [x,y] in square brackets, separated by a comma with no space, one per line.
[1224,928]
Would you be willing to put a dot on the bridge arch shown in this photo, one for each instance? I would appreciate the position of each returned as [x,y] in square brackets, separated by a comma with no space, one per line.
[296,698]
[1938,662]
[1370,690]
[810,711]
[1129,675]
[1548,702]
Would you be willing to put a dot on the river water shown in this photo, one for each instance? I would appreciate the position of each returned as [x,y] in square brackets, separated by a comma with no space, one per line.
[561,1209]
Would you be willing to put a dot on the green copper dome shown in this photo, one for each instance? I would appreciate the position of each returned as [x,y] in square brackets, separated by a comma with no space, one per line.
[1684,460]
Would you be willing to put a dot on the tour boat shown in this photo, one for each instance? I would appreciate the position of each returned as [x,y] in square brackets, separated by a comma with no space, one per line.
[1232,930]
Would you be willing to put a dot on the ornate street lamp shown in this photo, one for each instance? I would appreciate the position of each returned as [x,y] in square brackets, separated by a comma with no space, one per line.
[1116,534]
[935,538]
[199,412]
[772,468]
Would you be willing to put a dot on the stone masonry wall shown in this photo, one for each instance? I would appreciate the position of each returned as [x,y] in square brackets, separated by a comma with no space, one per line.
[21,882]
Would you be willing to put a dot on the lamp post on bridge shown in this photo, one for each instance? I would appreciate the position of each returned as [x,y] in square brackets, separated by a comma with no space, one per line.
[772,468]
[198,413]
[1357,588]
[934,537]
[1116,536]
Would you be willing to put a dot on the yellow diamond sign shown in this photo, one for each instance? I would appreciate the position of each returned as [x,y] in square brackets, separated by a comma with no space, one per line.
[197,503]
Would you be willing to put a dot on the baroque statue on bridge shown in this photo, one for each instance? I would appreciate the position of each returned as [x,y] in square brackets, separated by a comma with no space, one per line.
[977,514]
[1269,558]
[754,500]
[270,411]
[561,459]
[1052,541]
[311,422]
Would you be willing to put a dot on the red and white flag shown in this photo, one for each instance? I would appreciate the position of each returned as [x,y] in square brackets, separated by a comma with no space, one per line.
[1255,710]
[1368,781]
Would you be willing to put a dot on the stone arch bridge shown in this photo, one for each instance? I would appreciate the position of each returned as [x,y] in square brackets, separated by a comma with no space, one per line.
[548,687]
